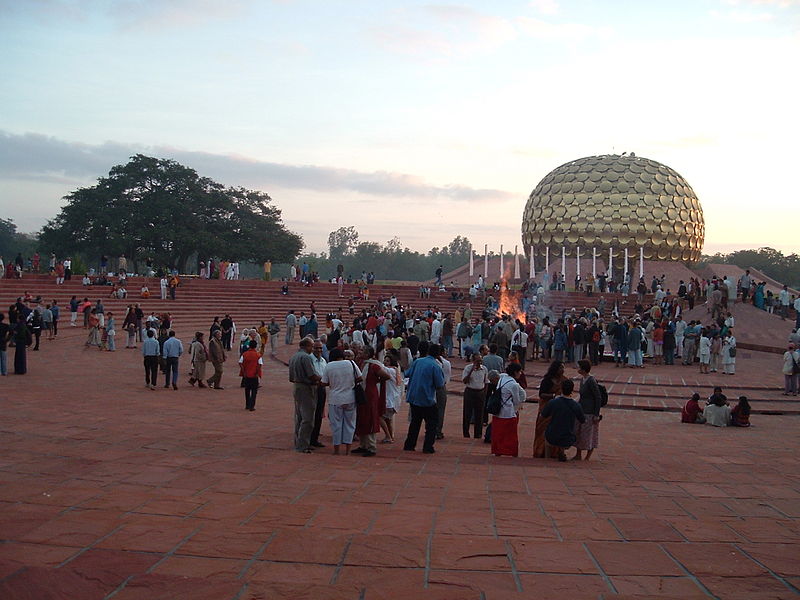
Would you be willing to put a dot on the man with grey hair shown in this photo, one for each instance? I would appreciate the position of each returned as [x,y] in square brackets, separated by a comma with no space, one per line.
[304,378]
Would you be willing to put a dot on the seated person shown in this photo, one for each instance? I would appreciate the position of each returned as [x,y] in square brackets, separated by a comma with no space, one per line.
[740,415]
[86,280]
[717,412]
[122,293]
[285,289]
[691,412]
[113,292]
[145,293]
[560,432]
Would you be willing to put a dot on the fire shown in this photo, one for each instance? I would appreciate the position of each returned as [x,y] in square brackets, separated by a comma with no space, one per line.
[509,303]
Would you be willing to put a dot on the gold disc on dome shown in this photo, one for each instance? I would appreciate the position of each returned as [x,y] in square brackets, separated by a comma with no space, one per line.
[661,178]
[537,213]
[625,211]
[641,238]
[650,200]
[589,186]
[676,253]
[657,237]
[589,210]
[680,190]
[547,212]
[558,237]
[672,239]
[612,176]
[573,210]
[624,238]
[559,211]
[630,177]
[577,186]
[672,179]
[663,252]
[684,239]
[581,197]
[602,167]
[669,188]
[581,223]
[672,213]
[543,189]
[615,198]
[643,211]
[573,236]
[606,236]
[657,188]
[607,210]
[641,187]
[595,176]
[658,213]
[606,186]
[558,178]
[649,167]
[687,203]
[684,214]
[546,237]
[623,186]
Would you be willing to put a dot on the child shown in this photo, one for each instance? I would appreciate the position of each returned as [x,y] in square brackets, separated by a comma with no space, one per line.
[564,411]
[691,412]
[740,415]
[704,351]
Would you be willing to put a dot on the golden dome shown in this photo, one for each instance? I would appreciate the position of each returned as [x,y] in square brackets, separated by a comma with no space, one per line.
[615,201]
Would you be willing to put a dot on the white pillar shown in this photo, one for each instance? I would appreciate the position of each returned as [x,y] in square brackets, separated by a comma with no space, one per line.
[564,262]
[625,272]
[532,271]
[594,261]
[610,264]
[501,261]
[547,259]
[485,263]
[517,274]
[471,263]
[578,261]
[641,261]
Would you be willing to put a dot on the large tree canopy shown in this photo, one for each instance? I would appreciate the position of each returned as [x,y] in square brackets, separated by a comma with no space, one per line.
[158,208]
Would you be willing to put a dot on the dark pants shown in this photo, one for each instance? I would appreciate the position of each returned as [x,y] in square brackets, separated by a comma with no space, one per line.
[473,411]
[226,340]
[216,378]
[150,369]
[429,414]
[250,391]
[37,334]
[318,415]
[55,327]
[171,365]
[441,406]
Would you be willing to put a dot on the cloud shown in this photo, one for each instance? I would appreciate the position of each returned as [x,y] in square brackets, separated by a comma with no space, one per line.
[569,32]
[47,159]
[546,7]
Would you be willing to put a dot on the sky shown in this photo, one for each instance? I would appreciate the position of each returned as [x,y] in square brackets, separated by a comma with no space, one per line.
[412,119]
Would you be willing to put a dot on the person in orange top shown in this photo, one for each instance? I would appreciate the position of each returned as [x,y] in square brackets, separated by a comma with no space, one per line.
[658,344]
[250,363]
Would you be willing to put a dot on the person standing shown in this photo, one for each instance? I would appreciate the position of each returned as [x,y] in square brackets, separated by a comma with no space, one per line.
[227,332]
[111,333]
[5,333]
[437,351]
[319,363]
[198,355]
[729,354]
[341,376]
[505,438]
[172,350]
[150,351]
[424,376]
[22,339]
[164,284]
[368,414]
[55,310]
[549,388]
[562,413]
[291,323]
[73,311]
[587,433]
[273,329]
[250,364]
[216,353]
[476,380]
[791,371]
[304,378]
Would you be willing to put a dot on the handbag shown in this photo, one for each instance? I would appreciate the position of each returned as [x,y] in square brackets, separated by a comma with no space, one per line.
[795,366]
[732,352]
[358,390]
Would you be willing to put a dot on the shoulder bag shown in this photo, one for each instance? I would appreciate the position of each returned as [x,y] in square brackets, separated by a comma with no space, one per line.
[358,389]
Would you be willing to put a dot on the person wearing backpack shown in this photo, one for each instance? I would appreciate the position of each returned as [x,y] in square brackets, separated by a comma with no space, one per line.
[591,400]
[505,439]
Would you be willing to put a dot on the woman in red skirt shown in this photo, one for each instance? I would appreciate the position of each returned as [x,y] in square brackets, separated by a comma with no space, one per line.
[505,440]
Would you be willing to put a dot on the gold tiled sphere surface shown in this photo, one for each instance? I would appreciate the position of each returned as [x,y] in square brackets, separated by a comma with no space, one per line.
[615,201]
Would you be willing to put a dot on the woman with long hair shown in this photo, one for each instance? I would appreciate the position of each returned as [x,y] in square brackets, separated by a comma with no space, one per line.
[549,388]
[368,415]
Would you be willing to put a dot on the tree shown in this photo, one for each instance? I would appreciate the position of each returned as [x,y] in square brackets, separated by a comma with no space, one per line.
[342,242]
[13,242]
[158,208]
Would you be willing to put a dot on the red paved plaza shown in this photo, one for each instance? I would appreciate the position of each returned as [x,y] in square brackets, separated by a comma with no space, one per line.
[110,490]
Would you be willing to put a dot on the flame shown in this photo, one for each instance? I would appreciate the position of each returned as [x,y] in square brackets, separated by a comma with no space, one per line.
[509,302]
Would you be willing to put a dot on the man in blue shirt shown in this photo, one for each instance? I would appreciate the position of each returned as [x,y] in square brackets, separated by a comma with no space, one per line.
[150,352]
[171,352]
[424,376]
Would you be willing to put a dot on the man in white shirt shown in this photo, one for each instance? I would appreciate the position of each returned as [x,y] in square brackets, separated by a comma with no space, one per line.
[783,296]
[519,344]
[319,364]
[436,331]
[476,379]
[164,283]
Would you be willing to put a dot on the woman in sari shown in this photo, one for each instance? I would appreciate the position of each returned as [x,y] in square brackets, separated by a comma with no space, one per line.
[549,388]
[758,297]
[368,415]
